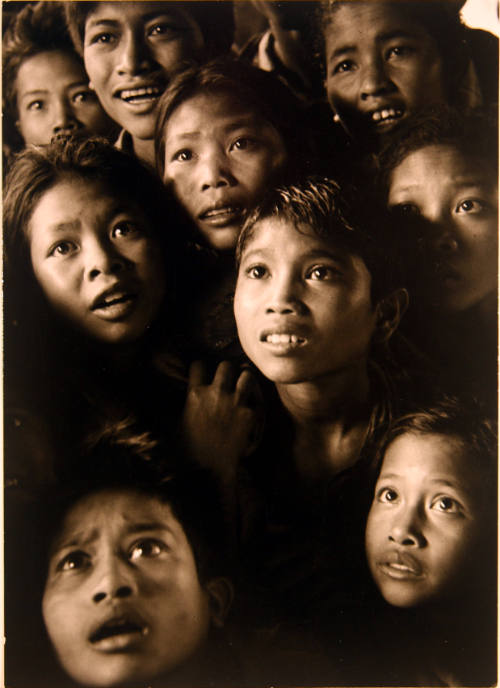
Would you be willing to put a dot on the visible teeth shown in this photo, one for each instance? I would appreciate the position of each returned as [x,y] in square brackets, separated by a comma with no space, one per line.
[140,92]
[390,113]
[283,339]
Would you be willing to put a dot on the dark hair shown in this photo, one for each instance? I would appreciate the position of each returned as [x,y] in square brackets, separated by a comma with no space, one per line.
[341,216]
[440,18]
[118,457]
[253,88]
[36,29]
[453,417]
[474,134]
[37,169]
[215,19]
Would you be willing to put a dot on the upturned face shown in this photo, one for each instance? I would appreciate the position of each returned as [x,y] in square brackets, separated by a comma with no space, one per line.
[303,307]
[131,50]
[458,196]
[426,520]
[122,601]
[54,99]
[220,158]
[381,67]
[96,260]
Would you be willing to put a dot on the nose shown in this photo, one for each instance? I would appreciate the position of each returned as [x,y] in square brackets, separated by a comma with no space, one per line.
[64,118]
[374,78]
[285,298]
[102,258]
[135,55]
[443,240]
[215,172]
[406,528]
[114,580]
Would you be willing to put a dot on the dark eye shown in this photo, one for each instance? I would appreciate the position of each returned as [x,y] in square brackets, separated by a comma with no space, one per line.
[103,38]
[256,272]
[446,505]
[63,248]
[399,51]
[124,229]
[344,66]
[243,143]
[36,105]
[470,206]
[183,155]
[148,548]
[387,494]
[162,29]
[84,96]
[406,209]
[74,561]
[321,273]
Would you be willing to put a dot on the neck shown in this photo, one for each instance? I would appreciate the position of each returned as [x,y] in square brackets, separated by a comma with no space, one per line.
[145,150]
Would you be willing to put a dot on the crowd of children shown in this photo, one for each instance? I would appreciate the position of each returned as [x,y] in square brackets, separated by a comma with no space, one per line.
[250,344]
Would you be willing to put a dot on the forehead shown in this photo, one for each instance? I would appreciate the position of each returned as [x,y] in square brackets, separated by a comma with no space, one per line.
[128,12]
[63,66]
[444,159]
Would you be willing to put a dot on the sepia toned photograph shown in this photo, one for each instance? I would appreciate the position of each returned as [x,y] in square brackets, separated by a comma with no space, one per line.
[250,319]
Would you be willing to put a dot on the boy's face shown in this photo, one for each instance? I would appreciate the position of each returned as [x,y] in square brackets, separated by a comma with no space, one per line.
[381,67]
[220,158]
[53,98]
[122,600]
[96,261]
[303,307]
[458,196]
[426,520]
[130,50]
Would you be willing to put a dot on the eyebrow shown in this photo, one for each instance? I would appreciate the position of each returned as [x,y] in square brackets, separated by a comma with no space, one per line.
[459,183]
[149,16]
[308,255]
[382,38]
[249,120]
[42,91]
[82,539]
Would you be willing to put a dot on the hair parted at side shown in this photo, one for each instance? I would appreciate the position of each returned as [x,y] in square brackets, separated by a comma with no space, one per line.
[346,217]
[254,89]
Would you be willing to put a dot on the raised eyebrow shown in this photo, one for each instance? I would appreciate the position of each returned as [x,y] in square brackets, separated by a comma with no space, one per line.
[398,33]
[76,540]
[133,528]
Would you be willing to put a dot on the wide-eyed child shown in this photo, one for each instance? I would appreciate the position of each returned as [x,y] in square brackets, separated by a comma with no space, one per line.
[317,300]
[431,535]
[385,60]
[441,178]
[131,50]
[46,88]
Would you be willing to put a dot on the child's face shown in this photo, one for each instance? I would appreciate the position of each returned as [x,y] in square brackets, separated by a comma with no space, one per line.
[303,307]
[220,158]
[381,67]
[123,601]
[130,50]
[53,98]
[426,519]
[458,196]
[96,261]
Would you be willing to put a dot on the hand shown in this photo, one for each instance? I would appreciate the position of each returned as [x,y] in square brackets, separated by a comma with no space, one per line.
[221,418]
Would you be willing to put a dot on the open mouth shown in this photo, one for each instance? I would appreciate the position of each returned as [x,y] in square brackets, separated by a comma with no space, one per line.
[220,216]
[113,300]
[290,339]
[387,116]
[140,95]
[118,634]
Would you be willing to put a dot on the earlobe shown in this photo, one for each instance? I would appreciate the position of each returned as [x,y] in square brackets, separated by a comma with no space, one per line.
[221,593]
[389,313]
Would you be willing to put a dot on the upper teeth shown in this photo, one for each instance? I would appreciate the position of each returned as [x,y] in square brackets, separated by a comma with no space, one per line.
[283,339]
[386,114]
[139,92]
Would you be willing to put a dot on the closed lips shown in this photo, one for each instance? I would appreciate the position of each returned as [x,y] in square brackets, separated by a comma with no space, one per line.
[401,563]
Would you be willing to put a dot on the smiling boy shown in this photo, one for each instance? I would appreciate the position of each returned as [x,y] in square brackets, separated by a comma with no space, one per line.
[131,49]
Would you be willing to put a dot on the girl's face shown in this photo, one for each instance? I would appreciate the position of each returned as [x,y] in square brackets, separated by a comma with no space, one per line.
[303,307]
[426,521]
[130,50]
[95,260]
[458,196]
[381,67]
[54,98]
[220,158]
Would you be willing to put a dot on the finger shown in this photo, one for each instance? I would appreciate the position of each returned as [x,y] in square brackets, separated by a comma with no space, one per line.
[197,374]
[225,375]
[246,387]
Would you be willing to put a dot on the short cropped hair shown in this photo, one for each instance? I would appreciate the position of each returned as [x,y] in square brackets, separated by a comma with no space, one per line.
[340,216]
[118,456]
[36,29]
[453,417]
[440,18]
[39,168]
[253,88]
[474,135]
[215,19]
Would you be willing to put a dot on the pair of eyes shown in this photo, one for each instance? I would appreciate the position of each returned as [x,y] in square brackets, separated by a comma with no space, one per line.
[395,52]
[146,548]
[160,29]
[467,206]
[441,503]
[242,143]
[121,231]
[316,273]
[85,96]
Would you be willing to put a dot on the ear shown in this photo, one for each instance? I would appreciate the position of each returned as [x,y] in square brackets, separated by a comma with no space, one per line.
[389,312]
[220,593]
